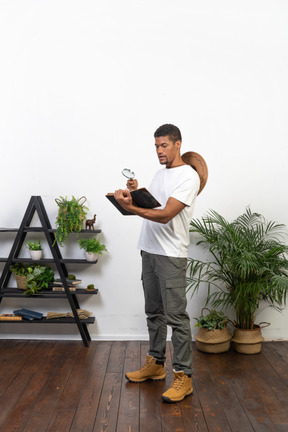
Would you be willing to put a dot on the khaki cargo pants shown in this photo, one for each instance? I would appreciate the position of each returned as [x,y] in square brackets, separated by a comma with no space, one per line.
[164,284]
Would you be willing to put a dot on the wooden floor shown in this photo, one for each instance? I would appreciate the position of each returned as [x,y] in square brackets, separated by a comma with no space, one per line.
[63,386]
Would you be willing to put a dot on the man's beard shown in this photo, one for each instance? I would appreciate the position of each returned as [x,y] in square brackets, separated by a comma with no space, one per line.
[163,161]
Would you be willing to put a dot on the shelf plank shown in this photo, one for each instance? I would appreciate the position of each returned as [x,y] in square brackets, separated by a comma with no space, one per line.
[53,230]
[41,229]
[44,320]
[14,292]
[51,260]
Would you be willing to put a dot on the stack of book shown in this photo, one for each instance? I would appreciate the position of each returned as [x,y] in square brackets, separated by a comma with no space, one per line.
[72,284]
[19,314]
[28,314]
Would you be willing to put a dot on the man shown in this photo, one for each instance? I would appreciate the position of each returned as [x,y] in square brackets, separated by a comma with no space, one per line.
[164,242]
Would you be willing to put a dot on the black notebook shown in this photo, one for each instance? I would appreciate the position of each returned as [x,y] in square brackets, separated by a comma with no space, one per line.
[141,198]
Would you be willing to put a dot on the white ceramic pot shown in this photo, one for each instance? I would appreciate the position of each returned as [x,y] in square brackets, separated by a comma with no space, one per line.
[90,256]
[35,254]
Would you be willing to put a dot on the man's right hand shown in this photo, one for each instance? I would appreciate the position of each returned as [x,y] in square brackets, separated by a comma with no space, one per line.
[132,184]
[124,198]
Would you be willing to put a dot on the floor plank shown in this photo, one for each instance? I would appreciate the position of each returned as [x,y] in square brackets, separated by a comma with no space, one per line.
[219,370]
[88,405]
[69,399]
[44,408]
[106,418]
[26,367]
[210,403]
[37,381]
[150,399]
[128,418]
[61,386]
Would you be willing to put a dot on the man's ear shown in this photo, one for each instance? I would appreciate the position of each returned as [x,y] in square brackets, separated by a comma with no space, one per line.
[178,144]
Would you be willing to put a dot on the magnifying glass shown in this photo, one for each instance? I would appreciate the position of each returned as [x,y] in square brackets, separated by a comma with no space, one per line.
[128,173]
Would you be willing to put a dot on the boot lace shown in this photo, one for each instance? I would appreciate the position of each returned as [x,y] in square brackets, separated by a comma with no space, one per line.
[178,382]
[146,365]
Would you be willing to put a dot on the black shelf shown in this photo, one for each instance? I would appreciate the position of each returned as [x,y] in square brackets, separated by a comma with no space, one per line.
[51,260]
[36,205]
[44,320]
[15,292]
[50,230]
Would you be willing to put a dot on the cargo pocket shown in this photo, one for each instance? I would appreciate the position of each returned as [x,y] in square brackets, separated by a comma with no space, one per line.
[176,295]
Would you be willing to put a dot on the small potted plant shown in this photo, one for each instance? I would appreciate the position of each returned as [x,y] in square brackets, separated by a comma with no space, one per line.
[35,249]
[20,272]
[213,335]
[90,288]
[32,278]
[92,248]
[70,218]
[37,278]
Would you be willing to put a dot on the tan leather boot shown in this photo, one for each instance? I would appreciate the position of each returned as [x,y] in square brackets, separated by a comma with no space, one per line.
[180,388]
[149,371]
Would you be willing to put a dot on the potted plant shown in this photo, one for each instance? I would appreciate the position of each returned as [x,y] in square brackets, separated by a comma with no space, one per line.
[70,218]
[247,268]
[90,288]
[37,278]
[213,335]
[32,278]
[20,272]
[92,248]
[35,249]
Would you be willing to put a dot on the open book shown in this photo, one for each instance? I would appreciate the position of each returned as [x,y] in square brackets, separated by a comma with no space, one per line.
[141,198]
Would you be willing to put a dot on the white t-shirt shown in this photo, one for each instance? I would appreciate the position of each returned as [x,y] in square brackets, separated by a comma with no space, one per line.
[171,239]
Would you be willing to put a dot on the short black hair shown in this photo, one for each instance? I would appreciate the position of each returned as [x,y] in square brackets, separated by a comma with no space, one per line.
[173,132]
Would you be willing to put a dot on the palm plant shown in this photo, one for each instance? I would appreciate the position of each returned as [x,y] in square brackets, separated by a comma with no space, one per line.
[248,265]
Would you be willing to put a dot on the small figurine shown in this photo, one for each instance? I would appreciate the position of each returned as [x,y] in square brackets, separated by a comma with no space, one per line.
[90,222]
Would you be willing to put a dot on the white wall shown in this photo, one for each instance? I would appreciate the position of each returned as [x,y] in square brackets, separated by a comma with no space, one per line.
[84,85]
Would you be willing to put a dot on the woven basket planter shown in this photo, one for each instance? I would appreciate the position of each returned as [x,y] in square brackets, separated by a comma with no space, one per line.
[248,341]
[21,282]
[213,341]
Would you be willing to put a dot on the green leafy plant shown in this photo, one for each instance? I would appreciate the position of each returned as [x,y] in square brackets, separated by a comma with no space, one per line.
[247,266]
[71,214]
[34,245]
[90,287]
[19,269]
[213,320]
[71,277]
[92,245]
[38,277]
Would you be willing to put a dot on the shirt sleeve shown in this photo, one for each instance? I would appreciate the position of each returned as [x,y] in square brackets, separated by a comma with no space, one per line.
[187,191]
